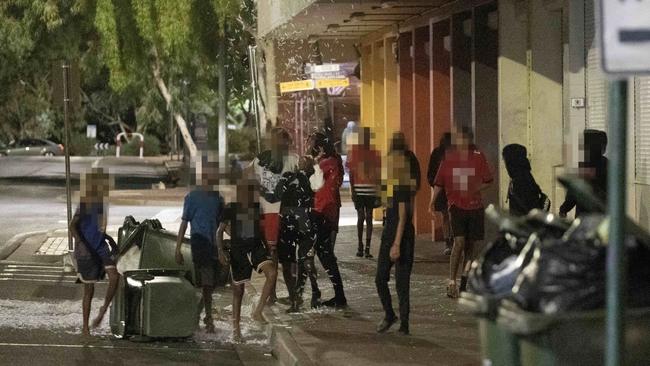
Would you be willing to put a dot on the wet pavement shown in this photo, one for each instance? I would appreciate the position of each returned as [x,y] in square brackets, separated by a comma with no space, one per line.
[441,334]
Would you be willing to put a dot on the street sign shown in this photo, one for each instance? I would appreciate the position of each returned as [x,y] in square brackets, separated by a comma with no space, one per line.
[102,146]
[625,36]
[311,69]
[332,83]
[328,75]
[91,131]
[293,86]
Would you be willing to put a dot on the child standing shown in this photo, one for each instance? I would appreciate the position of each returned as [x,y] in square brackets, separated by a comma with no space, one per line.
[247,250]
[203,209]
[298,233]
[88,227]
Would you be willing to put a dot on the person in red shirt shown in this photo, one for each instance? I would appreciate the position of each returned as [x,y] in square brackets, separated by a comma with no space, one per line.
[364,164]
[327,205]
[463,174]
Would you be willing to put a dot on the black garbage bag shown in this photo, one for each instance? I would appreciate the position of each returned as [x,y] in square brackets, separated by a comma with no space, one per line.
[497,269]
[566,274]
[569,274]
[497,258]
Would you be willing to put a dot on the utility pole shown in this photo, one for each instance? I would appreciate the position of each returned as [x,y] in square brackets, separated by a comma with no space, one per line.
[68,192]
[223,99]
[252,59]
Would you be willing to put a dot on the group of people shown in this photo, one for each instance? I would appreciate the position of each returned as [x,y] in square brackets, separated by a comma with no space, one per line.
[285,212]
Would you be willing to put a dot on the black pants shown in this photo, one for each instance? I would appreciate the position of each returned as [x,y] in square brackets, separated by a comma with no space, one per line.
[403,268]
[325,252]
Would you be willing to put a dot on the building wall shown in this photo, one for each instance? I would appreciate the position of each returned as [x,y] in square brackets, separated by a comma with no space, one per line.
[275,13]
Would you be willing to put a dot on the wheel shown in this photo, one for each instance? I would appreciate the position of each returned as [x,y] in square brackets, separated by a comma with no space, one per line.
[49,153]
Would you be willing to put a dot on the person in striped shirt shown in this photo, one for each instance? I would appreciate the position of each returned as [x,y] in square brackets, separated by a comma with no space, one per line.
[364,164]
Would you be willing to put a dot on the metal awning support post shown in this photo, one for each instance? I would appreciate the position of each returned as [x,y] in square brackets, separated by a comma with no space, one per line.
[616,199]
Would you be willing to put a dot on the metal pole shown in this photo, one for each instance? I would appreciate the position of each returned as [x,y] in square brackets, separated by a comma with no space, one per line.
[66,127]
[223,98]
[616,261]
[253,69]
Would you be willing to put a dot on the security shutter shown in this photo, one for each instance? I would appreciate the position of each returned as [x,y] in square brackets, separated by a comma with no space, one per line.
[595,82]
[642,130]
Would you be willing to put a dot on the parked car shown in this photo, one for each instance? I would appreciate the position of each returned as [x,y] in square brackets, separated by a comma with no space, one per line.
[31,146]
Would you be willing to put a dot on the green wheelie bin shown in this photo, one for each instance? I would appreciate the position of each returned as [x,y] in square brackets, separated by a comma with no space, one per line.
[572,339]
[156,297]
[499,346]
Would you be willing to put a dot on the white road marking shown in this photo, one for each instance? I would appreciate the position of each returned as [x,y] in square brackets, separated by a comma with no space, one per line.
[31,266]
[60,275]
[37,270]
[34,280]
[139,348]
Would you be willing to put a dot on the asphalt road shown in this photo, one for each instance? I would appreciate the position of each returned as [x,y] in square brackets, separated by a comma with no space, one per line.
[28,208]
[128,171]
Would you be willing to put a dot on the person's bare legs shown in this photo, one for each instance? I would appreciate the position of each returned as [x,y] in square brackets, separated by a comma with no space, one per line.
[237,296]
[113,280]
[271,275]
[207,303]
[273,298]
[89,291]
[454,262]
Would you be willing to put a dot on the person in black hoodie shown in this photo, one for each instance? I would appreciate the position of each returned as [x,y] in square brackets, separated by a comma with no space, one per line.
[440,204]
[524,193]
[593,169]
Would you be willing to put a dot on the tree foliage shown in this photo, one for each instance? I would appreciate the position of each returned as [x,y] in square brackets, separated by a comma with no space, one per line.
[117,43]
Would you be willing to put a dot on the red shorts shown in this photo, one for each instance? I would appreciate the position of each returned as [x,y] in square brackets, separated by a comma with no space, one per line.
[270,229]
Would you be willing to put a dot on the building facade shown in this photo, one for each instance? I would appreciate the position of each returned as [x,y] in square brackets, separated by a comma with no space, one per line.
[516,71]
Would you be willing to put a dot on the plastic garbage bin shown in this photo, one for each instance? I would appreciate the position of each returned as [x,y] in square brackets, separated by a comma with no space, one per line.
[498,345]
[154,303]
[576,338]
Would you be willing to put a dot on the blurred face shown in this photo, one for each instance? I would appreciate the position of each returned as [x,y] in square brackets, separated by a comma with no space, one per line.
[95,187]
[279,143]
[460,140]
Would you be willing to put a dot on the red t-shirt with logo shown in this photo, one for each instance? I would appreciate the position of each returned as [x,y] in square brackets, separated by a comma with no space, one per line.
[461,174]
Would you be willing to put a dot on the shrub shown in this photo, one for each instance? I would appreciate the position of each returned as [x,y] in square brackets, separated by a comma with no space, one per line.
[151,147]
[80,145]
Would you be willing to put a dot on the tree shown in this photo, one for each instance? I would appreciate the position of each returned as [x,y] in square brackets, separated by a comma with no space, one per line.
[165,42]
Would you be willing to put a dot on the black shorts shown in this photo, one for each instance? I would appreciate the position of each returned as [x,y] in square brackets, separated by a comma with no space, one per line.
[246,254]
[297,234]
[204,257]
[467,223]
[91,267]
[365,202]
[206,273]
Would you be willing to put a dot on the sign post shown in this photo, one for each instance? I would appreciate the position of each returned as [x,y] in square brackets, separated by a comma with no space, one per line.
[625,36]
[625,39]
[68,189]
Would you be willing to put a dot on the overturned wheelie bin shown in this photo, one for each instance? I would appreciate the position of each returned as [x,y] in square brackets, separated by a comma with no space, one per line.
[156,297]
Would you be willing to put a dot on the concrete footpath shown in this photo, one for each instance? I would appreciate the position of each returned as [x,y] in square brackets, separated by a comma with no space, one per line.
[440,333]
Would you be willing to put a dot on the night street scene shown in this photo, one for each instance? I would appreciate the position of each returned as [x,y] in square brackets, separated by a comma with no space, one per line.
[325,182]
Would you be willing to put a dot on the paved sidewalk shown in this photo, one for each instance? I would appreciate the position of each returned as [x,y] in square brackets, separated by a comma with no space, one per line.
[440,333]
